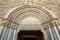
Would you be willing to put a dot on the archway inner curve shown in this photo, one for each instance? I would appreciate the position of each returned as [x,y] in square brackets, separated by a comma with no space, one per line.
[44,14]
[30,23]
[30,20]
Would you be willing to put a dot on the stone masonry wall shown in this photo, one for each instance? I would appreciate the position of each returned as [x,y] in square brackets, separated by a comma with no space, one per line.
[52,5]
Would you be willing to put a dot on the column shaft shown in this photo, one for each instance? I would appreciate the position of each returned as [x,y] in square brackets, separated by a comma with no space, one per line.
[3,33]
[50,31]
[57,33]
[15,35]
[9,34]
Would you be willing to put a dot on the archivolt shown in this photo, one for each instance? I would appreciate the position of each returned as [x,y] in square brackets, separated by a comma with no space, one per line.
[40,11]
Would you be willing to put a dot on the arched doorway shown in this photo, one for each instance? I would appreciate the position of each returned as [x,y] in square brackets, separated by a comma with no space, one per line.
[26,12]
[30,35]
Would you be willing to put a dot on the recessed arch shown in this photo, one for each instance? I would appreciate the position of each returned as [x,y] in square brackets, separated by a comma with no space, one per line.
[43,12]
[40,12]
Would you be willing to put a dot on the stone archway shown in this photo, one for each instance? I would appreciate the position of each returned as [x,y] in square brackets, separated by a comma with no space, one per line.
[27,11]
[39,12]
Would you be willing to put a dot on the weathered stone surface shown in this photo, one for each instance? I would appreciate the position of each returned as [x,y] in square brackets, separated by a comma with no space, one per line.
[52,5]
[6,5]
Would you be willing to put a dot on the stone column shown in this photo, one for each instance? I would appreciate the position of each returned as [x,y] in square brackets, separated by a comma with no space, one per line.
[4,32]
[56,31]
[52,30]
[9,32]
[53,33]
[48,28]
[12,34]
[50,33]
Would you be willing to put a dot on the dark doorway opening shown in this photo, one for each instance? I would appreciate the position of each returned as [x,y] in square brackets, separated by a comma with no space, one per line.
[30,35]
[29,38]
